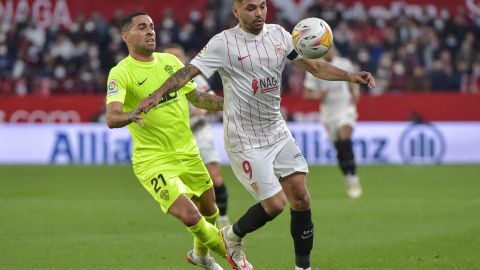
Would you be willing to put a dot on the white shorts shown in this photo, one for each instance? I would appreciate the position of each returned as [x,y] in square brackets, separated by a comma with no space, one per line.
[204,139]
[333,123]
[259,170]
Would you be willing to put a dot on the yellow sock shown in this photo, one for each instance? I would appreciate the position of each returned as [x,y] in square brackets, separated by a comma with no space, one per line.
[198,247]
[209,236]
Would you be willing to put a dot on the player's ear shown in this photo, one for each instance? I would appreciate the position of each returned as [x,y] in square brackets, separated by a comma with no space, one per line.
[234,11]
[125,37]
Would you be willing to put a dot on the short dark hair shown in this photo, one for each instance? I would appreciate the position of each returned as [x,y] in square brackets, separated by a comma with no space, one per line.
[170,46]
[126,21]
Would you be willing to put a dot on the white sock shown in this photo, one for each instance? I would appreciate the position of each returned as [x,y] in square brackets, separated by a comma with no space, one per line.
[232,236]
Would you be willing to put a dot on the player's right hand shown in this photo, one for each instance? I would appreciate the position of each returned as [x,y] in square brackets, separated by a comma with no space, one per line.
[145,105]
[364,77]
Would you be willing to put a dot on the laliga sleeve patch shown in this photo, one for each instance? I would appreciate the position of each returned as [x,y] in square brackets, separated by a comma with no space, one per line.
[112,88]
[203,51]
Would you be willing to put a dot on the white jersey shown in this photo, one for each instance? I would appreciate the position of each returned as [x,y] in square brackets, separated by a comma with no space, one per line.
[338,98]
[251,70]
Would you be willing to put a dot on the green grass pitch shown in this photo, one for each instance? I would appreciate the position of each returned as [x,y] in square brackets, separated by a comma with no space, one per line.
[100,218]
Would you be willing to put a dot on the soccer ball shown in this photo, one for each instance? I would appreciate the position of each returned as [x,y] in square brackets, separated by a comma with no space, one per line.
[312,38]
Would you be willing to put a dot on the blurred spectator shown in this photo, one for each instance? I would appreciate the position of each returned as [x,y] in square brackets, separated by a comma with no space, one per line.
[421,49]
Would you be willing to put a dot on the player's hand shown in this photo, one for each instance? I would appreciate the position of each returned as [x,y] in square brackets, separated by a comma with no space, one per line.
[145,105]
[364,77]
[136,117]
[197,111]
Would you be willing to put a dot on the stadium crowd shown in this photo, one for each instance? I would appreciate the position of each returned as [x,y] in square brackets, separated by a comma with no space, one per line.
[426,50]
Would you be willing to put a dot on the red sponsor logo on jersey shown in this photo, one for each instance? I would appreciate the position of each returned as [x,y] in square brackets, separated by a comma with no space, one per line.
[254,85]
[265,85]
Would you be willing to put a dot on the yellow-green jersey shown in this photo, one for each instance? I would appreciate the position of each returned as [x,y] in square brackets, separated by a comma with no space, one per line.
[166,133]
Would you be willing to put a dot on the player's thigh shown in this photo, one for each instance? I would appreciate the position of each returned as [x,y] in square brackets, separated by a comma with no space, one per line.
[215,171]
[345,131]
[254,170]
[194,175]
[163,184]
[289,160]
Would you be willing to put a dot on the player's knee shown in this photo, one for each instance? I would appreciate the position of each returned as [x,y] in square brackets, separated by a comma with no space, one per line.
[301,201]
[274,207]
[190,218]
[217,180]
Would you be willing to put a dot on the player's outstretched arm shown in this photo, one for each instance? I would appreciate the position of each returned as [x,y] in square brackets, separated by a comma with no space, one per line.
[172,84]
[117,118]
[205,101]
[325,71]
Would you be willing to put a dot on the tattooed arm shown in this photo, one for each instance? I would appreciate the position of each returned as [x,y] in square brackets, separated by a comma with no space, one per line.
[172,84]
[205,100]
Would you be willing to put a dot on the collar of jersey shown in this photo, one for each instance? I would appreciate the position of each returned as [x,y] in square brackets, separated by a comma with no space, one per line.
[142,63]
[248,35]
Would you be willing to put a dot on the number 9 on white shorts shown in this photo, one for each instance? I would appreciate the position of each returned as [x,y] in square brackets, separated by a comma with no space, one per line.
[259,170]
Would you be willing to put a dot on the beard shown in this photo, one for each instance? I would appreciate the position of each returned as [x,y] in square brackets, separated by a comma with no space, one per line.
[254,27]
[146,49]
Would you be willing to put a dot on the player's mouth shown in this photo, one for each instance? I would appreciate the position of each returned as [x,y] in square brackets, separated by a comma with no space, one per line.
[259,22]
[150,41]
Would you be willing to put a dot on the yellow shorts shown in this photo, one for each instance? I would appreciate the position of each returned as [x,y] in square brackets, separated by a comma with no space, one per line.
[169,179]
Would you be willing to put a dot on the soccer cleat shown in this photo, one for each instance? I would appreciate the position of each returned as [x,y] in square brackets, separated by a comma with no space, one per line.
[354,190]
[223,221]
[299,268]
[206,262]
[235,255]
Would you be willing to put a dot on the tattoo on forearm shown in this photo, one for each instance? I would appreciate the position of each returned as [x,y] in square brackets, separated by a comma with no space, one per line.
[178,80]
[206,101]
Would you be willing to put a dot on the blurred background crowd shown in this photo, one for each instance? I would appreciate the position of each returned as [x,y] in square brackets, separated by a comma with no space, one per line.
[415,50]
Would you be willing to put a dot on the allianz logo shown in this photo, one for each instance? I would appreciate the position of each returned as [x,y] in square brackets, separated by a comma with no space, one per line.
[422,143]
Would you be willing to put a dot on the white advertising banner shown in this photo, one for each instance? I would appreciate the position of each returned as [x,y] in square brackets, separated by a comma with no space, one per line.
[374,142]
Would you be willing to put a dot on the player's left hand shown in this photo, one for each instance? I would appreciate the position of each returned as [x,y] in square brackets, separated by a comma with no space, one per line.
[136,117]
[364,77]
[146,104]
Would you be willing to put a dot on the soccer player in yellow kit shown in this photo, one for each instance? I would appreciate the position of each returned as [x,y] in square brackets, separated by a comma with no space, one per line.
[165,157]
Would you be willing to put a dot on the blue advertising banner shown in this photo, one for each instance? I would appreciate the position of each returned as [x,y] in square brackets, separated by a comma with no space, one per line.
[374,143]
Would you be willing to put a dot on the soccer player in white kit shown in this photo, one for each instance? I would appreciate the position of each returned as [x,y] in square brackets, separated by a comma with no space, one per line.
[264,156]
[338,113]
[204,137]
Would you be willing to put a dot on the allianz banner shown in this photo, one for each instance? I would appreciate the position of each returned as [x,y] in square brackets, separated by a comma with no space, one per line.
[374,143]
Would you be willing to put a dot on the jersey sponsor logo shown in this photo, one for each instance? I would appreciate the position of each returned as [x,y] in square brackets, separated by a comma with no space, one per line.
[169,69]
[254,86]
[140,83]
[203,51]
[240,58]
[265,85]
[168,97]
[112,88]
[164,101]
